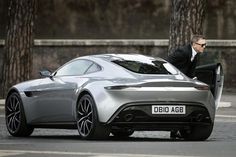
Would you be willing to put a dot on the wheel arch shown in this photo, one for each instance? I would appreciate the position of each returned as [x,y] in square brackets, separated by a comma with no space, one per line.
[82,93]
[12,90]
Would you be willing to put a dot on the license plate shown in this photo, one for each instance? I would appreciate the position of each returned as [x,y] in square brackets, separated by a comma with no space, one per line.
[168,109]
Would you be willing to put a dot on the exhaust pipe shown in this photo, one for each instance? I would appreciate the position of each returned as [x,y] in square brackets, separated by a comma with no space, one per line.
[128,117]
[199,117]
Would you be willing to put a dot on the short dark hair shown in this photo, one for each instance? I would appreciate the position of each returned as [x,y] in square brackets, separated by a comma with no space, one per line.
[195,38]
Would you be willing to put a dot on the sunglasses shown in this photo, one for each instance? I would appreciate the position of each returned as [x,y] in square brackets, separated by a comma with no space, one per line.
[202,45]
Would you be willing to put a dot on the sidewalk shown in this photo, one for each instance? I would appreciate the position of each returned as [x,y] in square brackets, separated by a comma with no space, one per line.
[2,103]
[227,105]
[227,100]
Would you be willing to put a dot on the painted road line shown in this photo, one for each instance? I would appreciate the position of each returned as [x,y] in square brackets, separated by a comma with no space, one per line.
[221,104]
[21,152]
[225,104]
[225,116]
[218,116]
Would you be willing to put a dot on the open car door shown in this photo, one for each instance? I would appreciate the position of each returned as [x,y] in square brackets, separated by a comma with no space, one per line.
[212,74]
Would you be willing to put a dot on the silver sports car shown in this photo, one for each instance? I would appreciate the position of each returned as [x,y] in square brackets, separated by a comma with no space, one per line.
[118,94]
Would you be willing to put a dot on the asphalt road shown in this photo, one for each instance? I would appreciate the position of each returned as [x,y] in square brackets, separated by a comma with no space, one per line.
[52,142]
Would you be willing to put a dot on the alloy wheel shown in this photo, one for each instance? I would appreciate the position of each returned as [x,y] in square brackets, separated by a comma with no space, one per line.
[13,113]
[85,116]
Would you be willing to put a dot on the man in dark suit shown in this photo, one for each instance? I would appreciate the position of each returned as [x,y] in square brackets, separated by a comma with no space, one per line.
[186,57]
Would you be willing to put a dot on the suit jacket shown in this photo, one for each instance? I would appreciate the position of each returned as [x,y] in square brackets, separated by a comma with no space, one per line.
[181,58]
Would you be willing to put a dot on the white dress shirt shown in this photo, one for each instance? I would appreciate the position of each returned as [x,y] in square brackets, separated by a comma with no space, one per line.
[193,54]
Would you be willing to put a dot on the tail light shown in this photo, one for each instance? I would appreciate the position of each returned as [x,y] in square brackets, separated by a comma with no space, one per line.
[202,87]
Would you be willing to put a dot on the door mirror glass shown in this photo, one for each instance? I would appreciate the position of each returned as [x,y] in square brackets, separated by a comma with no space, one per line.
[195,78]
[45,73]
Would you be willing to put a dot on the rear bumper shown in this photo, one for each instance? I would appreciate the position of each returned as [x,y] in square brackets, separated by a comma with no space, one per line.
[139,116]
[158,126]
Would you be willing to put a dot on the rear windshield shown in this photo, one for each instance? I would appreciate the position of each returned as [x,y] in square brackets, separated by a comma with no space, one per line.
[147,67]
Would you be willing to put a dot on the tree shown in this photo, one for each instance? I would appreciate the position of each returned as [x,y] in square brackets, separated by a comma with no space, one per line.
[187,17]
[17,58]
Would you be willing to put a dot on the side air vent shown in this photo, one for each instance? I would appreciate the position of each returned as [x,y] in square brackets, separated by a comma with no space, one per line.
[28,93]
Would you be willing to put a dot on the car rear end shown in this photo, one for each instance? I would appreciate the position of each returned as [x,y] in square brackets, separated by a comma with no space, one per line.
[160,98]
[145,107]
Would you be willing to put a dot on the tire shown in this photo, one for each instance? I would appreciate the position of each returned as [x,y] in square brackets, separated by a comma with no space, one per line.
[15,117]
[123,133]
[88,124]
[197,133]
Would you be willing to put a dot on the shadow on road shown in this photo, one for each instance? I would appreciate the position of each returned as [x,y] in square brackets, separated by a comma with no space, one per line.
[77,138]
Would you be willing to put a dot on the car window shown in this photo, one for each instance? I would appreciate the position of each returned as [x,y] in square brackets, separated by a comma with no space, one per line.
[77,67]
[147,66]
[93,68]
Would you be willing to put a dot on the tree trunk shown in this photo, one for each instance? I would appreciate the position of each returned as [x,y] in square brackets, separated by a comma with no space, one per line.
[187,17]
[17,59]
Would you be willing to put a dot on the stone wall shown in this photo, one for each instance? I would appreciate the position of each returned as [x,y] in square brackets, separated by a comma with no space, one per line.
[51,54]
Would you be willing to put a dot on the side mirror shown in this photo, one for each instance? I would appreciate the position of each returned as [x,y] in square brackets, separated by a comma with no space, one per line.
[45,73]
[195,78]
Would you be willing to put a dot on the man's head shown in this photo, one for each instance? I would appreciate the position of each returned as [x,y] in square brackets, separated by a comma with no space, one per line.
[198,43]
